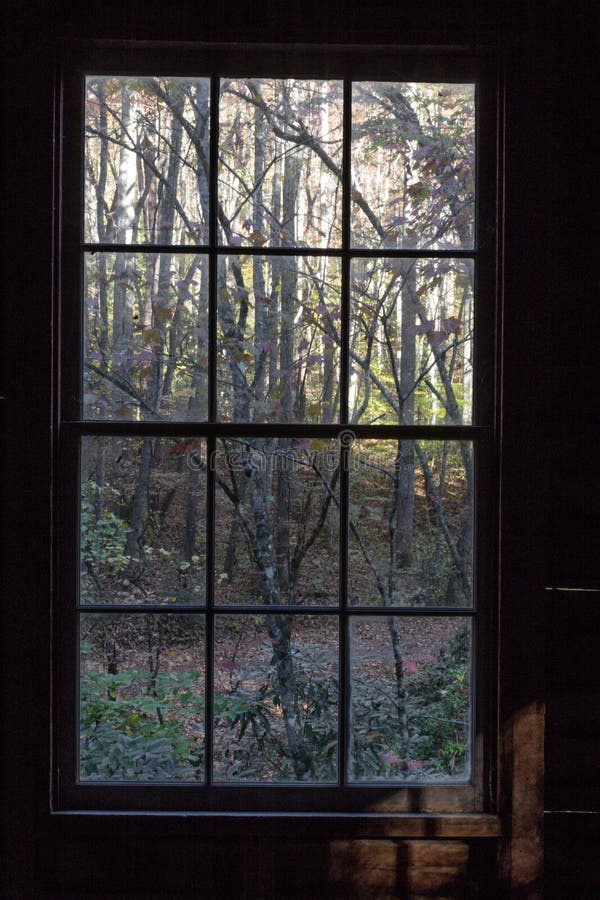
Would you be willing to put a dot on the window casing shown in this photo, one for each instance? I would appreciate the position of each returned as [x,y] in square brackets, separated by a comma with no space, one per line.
[218,441]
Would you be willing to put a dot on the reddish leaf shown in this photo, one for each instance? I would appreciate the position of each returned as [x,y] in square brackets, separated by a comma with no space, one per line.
[183,447]
[423,328]
[390,758]
[436,338]
[452,324]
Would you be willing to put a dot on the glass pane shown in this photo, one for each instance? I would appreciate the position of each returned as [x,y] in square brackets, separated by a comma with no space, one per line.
[146,160]
[276,698]
[411,699]
[141,713]
[143,520]
[279,336]
[277,521]
[413,165]
[280,158]
[145,336]
[411,341]
[411,523]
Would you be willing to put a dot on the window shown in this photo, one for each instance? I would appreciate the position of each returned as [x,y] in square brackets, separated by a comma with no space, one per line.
[276,434]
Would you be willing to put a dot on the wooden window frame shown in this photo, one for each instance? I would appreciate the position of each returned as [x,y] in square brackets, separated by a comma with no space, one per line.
[393,808]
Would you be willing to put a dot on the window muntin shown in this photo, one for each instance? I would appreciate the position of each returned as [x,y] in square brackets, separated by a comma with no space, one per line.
[326,425]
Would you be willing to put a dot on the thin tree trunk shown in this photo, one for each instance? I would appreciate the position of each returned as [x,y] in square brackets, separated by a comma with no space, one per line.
[103,346]
[289,287]
[260,307]
[459,586]
[140,509]
[124,262]
[166,213]
[405,459]
[400,689]
[260,311]
[197,411]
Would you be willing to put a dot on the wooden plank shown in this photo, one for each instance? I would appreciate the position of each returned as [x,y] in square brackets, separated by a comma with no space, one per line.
[202,868]
[572,760]
[572,712]
[257,878]
[574,797]
[572,645]
[574,551]
[572,856]
[573,700]
[367,868]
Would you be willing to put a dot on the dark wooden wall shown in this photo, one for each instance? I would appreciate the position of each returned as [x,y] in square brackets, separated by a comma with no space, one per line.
[549,639]
[568,444]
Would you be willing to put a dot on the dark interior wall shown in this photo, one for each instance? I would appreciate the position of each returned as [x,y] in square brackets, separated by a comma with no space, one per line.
[550,400]
[337,21]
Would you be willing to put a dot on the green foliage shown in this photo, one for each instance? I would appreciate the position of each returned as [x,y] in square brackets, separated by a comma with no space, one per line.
[441,702]
[109,755]
[129,728]
[437,709]
[102,540]
[318,698]
[132,727]
[251,712]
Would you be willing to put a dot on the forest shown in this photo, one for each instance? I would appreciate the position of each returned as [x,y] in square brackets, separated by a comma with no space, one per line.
[280,253]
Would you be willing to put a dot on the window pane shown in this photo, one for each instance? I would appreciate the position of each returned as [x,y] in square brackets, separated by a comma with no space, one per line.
[276,698]
[279,335]
[141,714]
[411,523]
[146,160]
[280,157]
[411,699]
[146,336]
[411,342]
[277,521]
[143,520]
[275,359]
[413,152]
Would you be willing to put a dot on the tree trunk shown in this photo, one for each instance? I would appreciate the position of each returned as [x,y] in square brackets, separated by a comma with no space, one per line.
[400,689]
[260,309]
[161,387]
[140,509]
[259,226]
[103,345]
[124,262]
[459,588]
[279,626]
[200,103]
[197,411]
[289,287]
[404,480]
[280,632]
